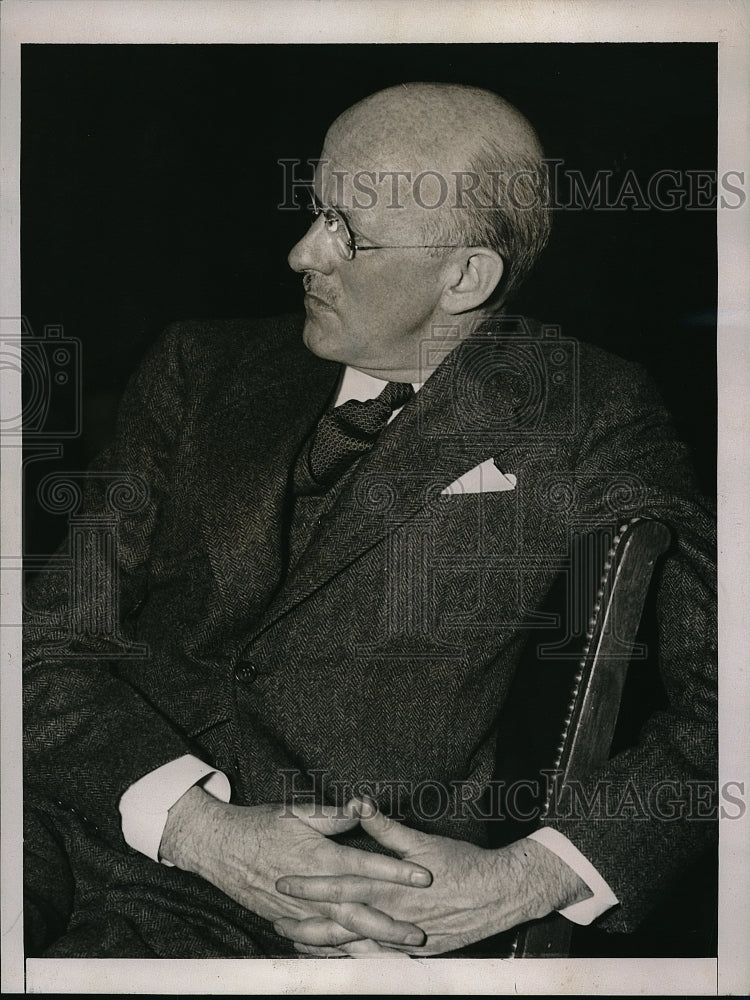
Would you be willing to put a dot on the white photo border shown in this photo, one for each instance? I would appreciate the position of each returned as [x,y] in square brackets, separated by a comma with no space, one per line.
[346,21]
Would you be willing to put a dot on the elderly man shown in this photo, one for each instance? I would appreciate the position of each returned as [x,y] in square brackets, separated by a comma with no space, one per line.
[347,524]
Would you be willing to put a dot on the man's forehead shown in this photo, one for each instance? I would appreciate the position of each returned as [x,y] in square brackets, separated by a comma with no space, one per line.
[358,177]
[347,168]
[361,142]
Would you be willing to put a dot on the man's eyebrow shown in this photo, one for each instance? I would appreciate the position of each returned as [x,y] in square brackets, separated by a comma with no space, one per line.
[345,213]
[330,204]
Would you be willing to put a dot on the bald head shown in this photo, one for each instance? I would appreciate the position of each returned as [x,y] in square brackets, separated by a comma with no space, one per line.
[436,125]
[464,161]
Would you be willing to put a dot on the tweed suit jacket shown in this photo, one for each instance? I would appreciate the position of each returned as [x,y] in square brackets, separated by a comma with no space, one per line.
[384,654]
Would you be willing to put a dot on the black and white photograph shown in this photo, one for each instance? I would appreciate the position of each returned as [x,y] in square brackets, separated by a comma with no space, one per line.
[368,403]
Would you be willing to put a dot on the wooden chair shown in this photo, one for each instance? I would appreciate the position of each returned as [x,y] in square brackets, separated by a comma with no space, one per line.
[581,673]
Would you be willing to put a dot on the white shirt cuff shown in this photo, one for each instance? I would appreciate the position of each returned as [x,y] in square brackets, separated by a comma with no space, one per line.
[144,806]
[587,909]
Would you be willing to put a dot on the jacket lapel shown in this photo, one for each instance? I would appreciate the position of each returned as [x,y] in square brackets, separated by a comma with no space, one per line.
[251,437]
[469,410]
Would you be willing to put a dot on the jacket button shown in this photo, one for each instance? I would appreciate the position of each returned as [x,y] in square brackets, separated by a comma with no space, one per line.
[244,671]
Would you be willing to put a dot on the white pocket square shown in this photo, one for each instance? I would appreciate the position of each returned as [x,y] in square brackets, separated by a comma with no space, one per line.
[483,478]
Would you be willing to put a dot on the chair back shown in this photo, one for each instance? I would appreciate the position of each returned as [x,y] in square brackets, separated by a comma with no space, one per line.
[560,717]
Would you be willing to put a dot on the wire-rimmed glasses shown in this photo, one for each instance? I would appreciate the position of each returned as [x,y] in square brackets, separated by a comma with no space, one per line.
[346,242]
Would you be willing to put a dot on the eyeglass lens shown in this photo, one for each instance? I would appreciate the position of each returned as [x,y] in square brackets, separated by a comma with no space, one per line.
[335,225]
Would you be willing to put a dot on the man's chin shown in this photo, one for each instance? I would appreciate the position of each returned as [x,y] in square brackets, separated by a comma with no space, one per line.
[320,339]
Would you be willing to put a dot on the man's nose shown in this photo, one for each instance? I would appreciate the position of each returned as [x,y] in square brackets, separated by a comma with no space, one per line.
[314,252]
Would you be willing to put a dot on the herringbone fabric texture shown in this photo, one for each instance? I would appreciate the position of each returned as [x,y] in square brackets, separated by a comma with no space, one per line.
[344,434]
[381,659]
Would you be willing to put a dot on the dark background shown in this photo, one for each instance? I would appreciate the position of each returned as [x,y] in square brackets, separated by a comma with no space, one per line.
[149,190]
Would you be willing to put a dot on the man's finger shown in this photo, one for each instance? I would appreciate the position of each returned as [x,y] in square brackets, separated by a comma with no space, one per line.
[358,920]
[369,922]
[395,836]
[357,949]
[319,931]
[328,820]
[372,949]
[380,866]
[311,951]
[332,888]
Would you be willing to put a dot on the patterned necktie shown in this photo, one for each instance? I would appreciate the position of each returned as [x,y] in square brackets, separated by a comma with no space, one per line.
[343,434]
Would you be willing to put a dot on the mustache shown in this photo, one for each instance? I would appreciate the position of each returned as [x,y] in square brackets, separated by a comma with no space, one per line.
[315,288]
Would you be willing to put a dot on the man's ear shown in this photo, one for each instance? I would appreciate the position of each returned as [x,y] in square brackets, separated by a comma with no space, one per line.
[472,278]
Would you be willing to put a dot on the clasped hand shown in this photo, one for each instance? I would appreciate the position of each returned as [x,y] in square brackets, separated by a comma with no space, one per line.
[474,892]
[438,895]
[244,850]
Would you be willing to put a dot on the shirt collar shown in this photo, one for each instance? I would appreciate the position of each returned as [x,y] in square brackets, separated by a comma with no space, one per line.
[358,385]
